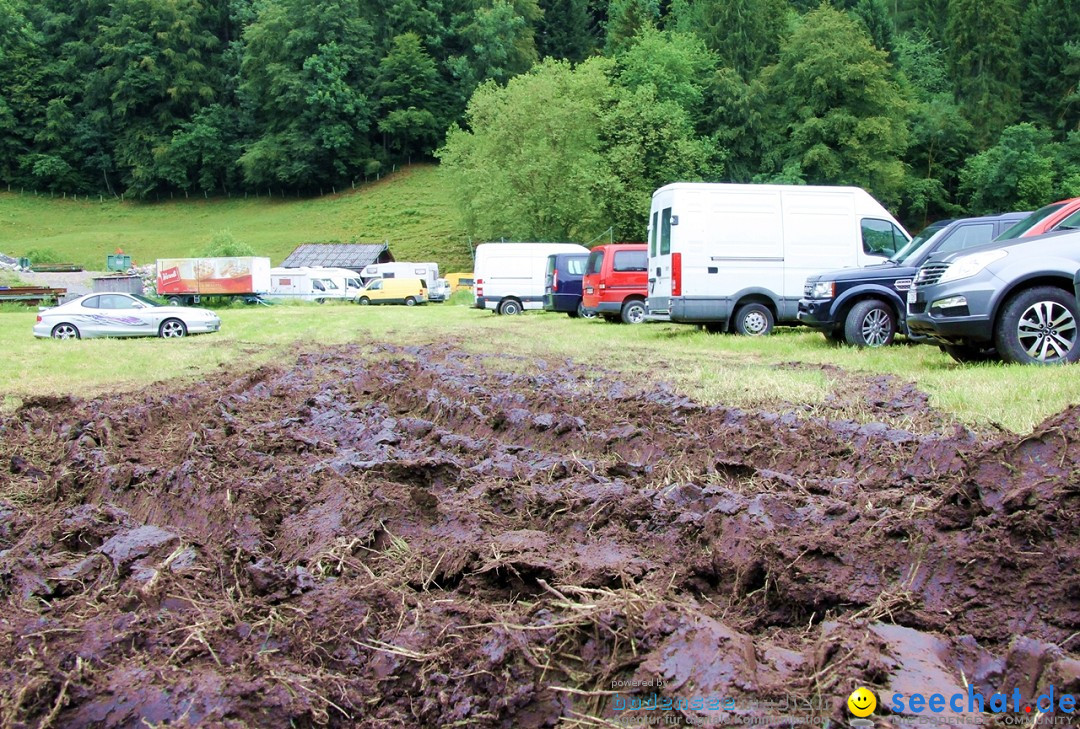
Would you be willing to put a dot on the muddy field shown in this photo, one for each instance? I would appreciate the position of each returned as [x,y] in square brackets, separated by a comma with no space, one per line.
[396,537]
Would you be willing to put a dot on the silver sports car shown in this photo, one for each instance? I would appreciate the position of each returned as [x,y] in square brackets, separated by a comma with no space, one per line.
[122,315]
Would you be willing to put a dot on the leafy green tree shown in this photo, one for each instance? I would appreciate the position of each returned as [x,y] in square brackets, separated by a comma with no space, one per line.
[840,116]
[745,34]
[224,244]
[1046,29]
[625,19]
[648,142]
[404,89]
[984,62]
[305,68]
[563,30]
[1015,174]
[677,66]
[879,23]
[941,137]
[499,44]
[531,165]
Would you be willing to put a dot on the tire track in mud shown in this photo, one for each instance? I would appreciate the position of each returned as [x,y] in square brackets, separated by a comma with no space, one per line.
[383,536]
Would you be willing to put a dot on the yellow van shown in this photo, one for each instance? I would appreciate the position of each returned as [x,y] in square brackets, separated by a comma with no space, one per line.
[408,291]
[460,281]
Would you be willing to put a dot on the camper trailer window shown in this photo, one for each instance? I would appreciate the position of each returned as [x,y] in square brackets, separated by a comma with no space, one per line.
[652,233]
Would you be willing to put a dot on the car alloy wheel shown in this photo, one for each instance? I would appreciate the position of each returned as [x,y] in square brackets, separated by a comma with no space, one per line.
[65,331]
[172,329]
[1046,331]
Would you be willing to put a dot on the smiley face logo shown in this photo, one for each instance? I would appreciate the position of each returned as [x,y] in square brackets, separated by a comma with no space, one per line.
[862,702]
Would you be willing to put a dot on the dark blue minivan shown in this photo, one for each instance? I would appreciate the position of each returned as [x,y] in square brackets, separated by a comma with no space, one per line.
[562,286]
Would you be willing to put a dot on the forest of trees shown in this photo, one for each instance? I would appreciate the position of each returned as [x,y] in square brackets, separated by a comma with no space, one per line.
[555,119]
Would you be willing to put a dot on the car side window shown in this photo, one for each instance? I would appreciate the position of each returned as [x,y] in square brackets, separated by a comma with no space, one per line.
[967,236]
[94,302]
[1071,222]
[630,261]
[881,237]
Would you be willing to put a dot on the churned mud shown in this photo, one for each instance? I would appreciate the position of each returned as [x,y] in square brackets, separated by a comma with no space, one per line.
[397,537]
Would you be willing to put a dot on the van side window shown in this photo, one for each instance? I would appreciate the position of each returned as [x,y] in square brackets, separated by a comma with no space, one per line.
[967,236]
[575,266]
[665,232]
[595,263]
[881,237]
[655,218]
[630,261]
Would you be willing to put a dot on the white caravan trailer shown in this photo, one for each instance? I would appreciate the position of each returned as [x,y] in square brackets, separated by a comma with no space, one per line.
[510,277]
[303,284]
[429,272]
[736,257]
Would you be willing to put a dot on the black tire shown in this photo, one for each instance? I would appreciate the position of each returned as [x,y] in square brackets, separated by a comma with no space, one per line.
[573,314]
[65,331]
[870,323]
[633,312]
[172,329]
[754,320]
[363,301]
[583,313]
[834,336]
[611,318]
[509,307]
[1039,326]
[410,301]
[175,301]
[969,353]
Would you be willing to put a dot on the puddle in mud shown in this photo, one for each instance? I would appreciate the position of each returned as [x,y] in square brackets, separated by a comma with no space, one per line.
[386,536]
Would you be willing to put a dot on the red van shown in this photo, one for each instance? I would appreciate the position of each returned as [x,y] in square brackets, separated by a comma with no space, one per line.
[616,282]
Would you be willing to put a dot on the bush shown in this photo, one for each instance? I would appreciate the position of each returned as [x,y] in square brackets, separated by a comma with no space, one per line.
[43,255]
[223,244]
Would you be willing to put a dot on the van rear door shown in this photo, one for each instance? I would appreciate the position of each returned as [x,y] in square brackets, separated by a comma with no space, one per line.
[660,283]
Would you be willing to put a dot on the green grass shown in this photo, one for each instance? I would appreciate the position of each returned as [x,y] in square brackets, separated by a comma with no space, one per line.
[781,372]
[412,209]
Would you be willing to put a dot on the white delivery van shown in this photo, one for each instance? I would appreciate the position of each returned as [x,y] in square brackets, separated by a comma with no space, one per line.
[429,272]
[736,257]
[303,284]
[510,277]
[346,279]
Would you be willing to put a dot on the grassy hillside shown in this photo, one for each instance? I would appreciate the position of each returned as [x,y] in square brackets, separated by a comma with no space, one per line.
[412,209]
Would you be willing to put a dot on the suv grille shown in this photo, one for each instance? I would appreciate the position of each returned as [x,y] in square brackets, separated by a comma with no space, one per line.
[930,273]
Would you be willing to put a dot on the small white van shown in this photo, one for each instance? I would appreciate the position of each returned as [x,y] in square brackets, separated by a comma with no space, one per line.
[346,279]
[510,277]
[736,257]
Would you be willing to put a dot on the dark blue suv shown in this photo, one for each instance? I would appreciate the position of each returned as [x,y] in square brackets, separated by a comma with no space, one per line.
[562,285]
[866,306]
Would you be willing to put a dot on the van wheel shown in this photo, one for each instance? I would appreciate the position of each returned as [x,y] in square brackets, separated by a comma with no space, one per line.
[754,320]
[509,307]
[870,324]
[363,301]
[633,312]
[1039,326]
[410,301]
[584,313]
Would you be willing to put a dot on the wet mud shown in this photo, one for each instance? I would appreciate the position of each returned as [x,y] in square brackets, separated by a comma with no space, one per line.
[393,537]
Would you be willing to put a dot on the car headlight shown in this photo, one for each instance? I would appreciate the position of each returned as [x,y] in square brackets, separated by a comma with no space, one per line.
[823,290]
[966,266]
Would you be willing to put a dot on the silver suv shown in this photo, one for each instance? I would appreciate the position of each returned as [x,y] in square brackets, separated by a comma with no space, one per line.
[1014,299]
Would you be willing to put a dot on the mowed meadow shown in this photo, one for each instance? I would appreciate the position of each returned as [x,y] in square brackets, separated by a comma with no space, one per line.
[411,209]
